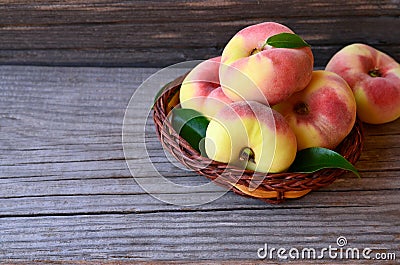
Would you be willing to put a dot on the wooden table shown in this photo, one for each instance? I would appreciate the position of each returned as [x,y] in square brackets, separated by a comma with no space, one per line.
[66,193]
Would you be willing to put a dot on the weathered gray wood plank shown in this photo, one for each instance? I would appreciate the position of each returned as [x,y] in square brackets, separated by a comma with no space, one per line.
[66,192]
[224,234]
[159,33]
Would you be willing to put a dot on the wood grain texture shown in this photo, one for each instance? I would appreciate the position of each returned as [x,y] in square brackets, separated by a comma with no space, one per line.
[66,192]
[160,33]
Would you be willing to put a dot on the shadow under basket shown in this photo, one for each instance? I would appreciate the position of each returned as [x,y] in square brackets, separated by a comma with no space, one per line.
[272,187]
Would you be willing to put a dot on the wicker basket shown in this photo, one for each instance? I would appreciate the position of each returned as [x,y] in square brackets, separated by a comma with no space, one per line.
[273,188]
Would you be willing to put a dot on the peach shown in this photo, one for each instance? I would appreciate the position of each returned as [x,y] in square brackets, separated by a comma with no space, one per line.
[201,90]
[251,135]
[322,114]
[276,72]
[374,78]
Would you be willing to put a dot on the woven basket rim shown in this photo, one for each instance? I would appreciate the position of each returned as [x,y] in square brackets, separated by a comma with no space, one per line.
[273,185]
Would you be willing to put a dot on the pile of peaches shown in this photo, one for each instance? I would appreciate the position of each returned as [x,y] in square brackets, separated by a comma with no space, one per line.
[265,102]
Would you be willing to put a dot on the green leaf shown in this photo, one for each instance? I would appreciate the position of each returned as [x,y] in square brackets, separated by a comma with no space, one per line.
[286,40]
[159,93]
[191,126]
[315,158]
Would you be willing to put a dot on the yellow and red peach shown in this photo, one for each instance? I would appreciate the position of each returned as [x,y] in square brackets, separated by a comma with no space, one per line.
[251,135]
[276,72]
[201,90]
[374,78]
[322,114]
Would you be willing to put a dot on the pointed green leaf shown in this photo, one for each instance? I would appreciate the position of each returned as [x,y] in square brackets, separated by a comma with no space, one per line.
[315,158]
[191,126]
[286,40]
[159,93]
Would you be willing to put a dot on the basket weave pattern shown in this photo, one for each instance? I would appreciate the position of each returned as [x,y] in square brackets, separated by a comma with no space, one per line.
[272,187]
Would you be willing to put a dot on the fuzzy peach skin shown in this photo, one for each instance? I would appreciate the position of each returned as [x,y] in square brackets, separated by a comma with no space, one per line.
[253,126]
[322,114]
[276,72]
[374,78]
[201,89]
